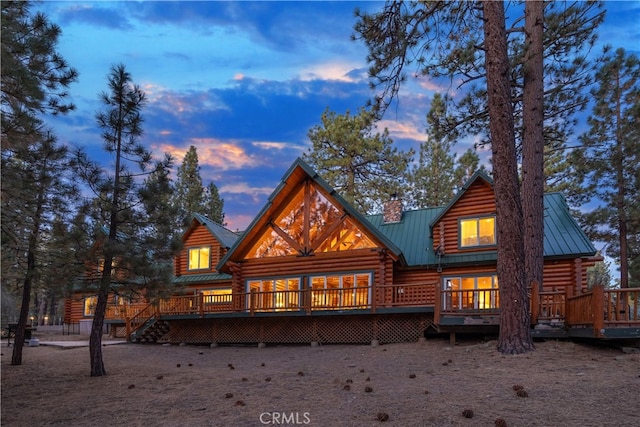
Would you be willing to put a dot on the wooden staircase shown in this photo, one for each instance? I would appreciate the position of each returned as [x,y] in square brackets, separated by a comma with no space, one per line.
[151,332]
[146,326]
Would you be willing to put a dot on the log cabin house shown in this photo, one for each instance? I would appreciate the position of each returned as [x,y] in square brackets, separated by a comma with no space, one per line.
[311,269]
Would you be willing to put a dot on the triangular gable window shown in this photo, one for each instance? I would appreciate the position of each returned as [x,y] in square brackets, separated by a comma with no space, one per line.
[309,223]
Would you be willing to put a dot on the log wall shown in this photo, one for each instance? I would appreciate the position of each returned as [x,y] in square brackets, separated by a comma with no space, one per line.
[478,200]
[199,236]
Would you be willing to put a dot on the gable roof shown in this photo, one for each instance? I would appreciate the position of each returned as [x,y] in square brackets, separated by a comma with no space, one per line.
[563,237]
[562,234]
[225,236]
[296,173]
[478,175]
[410,240]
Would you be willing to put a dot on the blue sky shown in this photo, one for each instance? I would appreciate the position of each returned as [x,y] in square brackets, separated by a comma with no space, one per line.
[242,81]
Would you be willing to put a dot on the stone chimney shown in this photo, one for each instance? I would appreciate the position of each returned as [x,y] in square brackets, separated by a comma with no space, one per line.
[392,210]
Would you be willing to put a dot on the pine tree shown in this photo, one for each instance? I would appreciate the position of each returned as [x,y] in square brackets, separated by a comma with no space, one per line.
[189,191]
[136,216]
[214,204]
[432,178]
[610,155]
[35,77]
[36,188]
[514,336]
[467,165]
[533,143]
[441,39]
[361,165]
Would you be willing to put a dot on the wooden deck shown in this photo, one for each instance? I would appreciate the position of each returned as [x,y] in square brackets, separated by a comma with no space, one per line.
[600,313]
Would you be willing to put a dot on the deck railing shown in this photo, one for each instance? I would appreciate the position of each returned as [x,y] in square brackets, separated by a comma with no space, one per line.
[551,305]
[471,301]
[600,308]
[621,306]
[140,318]
[596,308]
[358,297]
[406,294]
[121,311]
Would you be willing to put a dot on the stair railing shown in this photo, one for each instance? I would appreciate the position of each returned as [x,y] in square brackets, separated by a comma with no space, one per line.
[133,324]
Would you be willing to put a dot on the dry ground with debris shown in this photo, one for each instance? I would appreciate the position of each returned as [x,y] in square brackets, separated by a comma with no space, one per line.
[414,384]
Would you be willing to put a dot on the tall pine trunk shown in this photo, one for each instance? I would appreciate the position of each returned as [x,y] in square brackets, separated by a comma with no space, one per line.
[16,357]
[621,184]
[515,335]
[533,144]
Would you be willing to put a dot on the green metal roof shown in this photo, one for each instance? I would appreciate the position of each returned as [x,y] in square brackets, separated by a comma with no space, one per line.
[411,234]
[225,236]
[411,238]
[563,237]
[562,234]
[200,278]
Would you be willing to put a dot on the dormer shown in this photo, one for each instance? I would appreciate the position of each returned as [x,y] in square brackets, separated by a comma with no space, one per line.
[468,222]
[205,243]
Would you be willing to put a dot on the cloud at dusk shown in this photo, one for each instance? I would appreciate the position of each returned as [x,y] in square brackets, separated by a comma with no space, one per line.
[242,81]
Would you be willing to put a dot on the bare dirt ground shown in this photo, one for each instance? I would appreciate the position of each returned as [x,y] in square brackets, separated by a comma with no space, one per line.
[414,384]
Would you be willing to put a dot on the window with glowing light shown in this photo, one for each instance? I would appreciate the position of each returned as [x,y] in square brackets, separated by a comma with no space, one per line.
[309,223]
[279,294]
[334,292]
[470,293]
[199,258]
[477,232]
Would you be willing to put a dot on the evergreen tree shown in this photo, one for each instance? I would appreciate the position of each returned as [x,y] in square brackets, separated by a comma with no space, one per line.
[189,192]
[467,165]
[442,40]
[214,204]
[361,165]
[533,143]
[515,336]
[36,188]
[433,178]
[34,76]
[139,245]
[35,183]
[610,156]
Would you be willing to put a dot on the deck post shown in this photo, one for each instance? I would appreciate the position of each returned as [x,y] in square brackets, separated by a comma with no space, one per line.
[535,302]
[127,327]
[252,301]
[598,310]
[374,298]
[201,304]
[307,299]
[438,305]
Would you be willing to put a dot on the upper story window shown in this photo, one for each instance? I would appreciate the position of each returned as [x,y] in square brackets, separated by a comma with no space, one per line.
[199,258]
[477,231]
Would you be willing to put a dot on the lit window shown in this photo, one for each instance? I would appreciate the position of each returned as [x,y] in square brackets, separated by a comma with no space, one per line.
[477,232]
[470,293]
[308,220]
[281,294]
[199,258]
[340,291]
[90,306]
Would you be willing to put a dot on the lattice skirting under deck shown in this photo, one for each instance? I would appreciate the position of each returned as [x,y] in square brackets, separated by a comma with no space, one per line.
[361,329]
